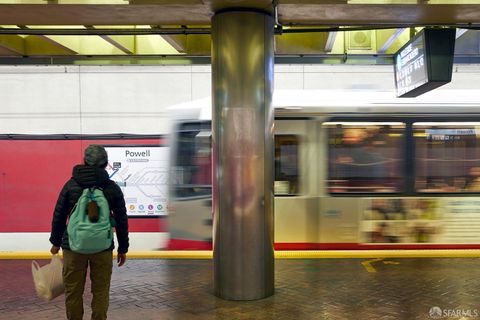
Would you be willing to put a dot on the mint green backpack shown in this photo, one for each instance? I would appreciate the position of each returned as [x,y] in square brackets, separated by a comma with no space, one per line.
[85,236]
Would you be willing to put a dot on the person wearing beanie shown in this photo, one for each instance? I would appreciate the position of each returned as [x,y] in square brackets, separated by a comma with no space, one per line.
[96,156]
[90,174]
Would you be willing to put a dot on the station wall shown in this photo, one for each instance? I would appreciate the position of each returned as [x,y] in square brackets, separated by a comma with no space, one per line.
[134,99]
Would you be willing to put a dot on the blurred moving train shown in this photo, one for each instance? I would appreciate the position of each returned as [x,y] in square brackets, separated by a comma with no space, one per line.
[360,175]
[355,167]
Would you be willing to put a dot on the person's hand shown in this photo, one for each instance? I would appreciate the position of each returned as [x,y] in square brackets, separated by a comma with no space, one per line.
[54,249]
[121,258]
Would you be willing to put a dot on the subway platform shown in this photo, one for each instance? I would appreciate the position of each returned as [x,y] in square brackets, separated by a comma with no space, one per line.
[379,286]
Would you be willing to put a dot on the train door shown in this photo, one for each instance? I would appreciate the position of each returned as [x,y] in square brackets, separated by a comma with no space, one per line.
[295,187]
[190,211]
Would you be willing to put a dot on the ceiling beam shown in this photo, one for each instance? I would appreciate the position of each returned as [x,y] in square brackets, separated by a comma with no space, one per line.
[54,46]
[332,36]
[11,45]
[42,45]
[113,42]
[126,46]
[305,43]
[84,31]
[179,42]
[186,43]
[5,52]
[183,31]
[394,37]
[290,12]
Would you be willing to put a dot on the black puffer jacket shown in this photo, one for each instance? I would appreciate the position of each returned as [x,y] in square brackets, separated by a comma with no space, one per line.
[85,177]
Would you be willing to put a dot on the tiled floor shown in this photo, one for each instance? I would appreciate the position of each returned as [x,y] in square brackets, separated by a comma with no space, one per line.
[304,289]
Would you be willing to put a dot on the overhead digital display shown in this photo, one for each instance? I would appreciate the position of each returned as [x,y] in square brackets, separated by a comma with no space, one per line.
[425,62]
[410,67]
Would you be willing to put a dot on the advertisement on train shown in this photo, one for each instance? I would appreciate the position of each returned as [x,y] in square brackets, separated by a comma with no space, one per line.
[421,220]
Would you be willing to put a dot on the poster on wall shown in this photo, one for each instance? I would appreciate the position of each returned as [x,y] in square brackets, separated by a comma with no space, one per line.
[142,174]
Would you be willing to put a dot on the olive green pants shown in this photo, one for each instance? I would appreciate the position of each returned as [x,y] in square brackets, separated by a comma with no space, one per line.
[75,267]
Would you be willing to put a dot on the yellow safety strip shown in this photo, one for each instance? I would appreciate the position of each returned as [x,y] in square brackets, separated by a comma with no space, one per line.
[297,254]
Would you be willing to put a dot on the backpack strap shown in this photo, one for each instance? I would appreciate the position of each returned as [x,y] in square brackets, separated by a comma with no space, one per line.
[90,194]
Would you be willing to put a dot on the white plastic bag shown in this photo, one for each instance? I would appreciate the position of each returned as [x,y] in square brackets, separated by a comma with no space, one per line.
[48,279]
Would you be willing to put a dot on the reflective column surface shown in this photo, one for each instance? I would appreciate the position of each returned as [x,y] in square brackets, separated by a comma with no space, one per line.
[242,73]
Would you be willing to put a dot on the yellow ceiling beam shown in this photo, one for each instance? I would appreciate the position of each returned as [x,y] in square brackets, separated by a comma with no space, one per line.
[199,44]
[13,44]
[179,42]
[42,45]
[153,44]
[145,44]
[331,38]
[32,45]
[390,40]
[126,44]
[82,44]
[193,44]
[86,44]
[301,43]
[97,45]
[339,44]
[4,52]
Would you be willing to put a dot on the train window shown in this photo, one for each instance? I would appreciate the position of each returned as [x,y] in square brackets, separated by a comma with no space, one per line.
[365,157]
[286,165]
[447,156]
[192,171]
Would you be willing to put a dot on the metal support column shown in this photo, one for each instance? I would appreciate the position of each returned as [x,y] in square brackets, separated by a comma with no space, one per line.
[242,73]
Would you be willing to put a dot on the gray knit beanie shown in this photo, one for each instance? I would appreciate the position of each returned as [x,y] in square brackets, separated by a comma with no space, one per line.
[96,156]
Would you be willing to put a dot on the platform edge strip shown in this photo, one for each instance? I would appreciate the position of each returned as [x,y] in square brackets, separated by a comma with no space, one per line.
[352,254]
[25,255]
[291,254]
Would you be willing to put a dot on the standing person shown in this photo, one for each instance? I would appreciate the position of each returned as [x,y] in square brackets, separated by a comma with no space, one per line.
[91,174]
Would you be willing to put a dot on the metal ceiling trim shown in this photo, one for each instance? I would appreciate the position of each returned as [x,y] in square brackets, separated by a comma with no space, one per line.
[348,59]
[192,31]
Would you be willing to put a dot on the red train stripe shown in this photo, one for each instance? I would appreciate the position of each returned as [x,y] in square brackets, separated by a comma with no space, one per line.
[179,244]
[359,246]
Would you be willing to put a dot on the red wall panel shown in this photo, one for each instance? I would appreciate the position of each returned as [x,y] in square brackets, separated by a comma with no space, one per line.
[32,173]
